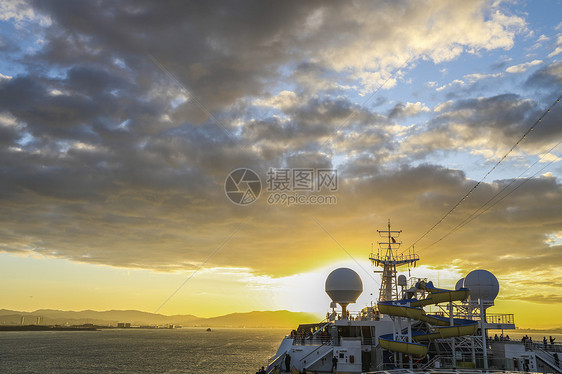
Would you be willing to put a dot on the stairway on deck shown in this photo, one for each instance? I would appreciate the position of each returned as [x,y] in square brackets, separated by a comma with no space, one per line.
[547,359]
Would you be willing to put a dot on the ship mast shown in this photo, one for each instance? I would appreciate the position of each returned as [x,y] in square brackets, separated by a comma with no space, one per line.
[389,261]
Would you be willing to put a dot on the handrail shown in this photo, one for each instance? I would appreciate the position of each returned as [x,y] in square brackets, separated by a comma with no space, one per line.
[550,347]
[321,328]
[320,346]
[444,371]
[500,318]
[548,359]
[316,359]
[273,363]
[435,359]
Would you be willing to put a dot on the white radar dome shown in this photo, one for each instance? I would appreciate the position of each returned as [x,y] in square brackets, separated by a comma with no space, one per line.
[483,285]
[402,281]
[344,286]
[459,284]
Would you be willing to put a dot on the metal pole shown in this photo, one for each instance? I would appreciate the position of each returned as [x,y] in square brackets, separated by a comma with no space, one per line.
[409,341]
[472,349]
[483,328]
[452,323]
[401,363]
[394,337]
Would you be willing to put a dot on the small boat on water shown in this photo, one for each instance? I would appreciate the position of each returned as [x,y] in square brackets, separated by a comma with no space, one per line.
[209,329]
[398,333]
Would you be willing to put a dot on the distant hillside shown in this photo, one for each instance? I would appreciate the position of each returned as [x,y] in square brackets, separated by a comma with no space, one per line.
[112,317]
[280,318]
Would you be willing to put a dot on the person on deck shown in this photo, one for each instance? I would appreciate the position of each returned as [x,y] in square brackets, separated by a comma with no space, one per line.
[334,363]
[288,363]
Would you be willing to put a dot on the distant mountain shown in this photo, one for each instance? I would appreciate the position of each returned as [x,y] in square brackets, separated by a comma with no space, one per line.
[112,317]
[280,318]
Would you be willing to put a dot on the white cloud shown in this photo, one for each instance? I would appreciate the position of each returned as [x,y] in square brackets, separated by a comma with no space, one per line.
[388,37]
[543,38]
[412,109]
[19,11]
[472,78]
[7,119]
[558,49]
[456,82]
[522,67]
[443,106]
[285,100]
[549,157]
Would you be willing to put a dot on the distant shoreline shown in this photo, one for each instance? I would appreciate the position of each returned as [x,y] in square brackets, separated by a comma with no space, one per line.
[98,328]
[46,328]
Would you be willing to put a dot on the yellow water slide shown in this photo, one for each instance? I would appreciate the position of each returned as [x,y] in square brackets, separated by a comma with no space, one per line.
[412,308]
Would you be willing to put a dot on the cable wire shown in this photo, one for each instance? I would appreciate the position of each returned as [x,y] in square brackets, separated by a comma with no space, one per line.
[474,214]
[487,174]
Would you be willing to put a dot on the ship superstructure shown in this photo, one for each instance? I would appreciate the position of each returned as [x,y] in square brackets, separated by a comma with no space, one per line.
[415,326]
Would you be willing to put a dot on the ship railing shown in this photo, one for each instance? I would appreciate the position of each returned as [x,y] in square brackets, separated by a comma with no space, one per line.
[356,316]
[275,362]
[313,351]
[403,257]
[315,340]
[547,347]
[500,318]
[436,371]
[549,359]
[438,358]
[306,337]
[320,329]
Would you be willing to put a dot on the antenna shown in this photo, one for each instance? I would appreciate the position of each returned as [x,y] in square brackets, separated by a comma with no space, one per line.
[389,262]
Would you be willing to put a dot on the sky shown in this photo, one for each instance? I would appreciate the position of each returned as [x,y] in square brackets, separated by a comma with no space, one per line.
[127,130]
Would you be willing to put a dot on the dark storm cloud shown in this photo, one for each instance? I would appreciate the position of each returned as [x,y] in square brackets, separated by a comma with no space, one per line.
[222,51]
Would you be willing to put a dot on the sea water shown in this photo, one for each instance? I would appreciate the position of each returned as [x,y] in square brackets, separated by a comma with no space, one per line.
[185,350]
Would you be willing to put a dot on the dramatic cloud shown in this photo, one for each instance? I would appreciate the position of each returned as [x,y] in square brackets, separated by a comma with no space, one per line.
[119,123]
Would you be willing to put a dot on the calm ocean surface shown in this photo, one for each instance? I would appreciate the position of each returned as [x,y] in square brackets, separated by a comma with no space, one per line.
[186,350]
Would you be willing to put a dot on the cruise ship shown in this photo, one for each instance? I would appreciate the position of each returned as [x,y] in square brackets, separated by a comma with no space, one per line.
[413,326]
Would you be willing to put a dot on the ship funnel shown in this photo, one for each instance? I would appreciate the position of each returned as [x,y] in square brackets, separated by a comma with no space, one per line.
[344,286]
